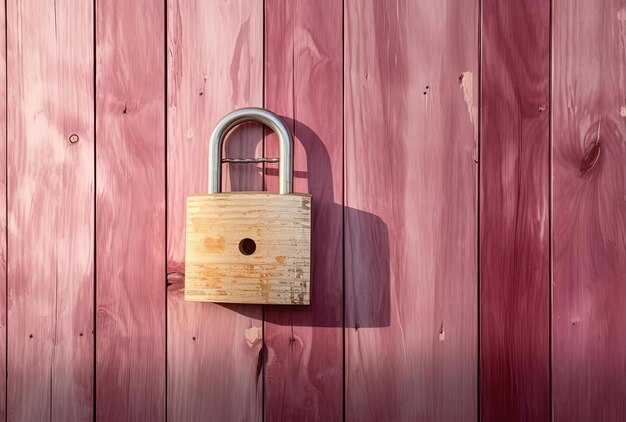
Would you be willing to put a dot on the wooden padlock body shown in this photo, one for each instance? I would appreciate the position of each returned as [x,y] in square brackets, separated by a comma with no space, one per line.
[217,269]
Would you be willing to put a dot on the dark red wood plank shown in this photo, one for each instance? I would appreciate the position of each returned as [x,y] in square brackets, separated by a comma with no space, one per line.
[215,64]
[589,210]
[411,71]
[303,83]
[50,226]
[130,219]
[514,228]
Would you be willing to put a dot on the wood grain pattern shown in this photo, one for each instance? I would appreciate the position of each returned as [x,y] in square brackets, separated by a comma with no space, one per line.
[215,64]
[50,210]
[303,83]
[3,214]
[514,228]
[382,97]
[411,114]
[130,219]
[274,270]
[589,212]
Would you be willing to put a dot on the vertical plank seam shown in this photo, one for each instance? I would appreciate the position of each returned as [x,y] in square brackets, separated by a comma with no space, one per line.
[294,14]
[165,232]
[264,187]
[95,208]
[478,204]
[550,210]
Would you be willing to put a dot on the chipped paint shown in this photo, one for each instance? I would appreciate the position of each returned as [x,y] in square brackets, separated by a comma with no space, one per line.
[622,111]
[252,334]
[621,15]
[467,85]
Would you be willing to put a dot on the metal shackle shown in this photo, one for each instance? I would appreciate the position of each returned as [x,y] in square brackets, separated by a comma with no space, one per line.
[248,114]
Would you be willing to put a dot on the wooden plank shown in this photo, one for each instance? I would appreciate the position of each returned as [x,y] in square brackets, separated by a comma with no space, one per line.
[3,213]
[130,219]
[411,72]
[215,59]
[589,212]
[514,229]
[50,210]
[303,83]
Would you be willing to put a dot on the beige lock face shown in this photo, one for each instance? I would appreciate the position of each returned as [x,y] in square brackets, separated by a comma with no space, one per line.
[248,247]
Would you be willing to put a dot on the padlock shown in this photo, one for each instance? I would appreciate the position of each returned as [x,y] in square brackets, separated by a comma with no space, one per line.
[249,247]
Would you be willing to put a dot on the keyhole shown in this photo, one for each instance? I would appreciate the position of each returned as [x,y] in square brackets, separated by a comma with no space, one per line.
[247,246]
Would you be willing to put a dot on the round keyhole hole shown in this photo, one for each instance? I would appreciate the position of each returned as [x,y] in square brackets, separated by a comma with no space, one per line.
[247,246]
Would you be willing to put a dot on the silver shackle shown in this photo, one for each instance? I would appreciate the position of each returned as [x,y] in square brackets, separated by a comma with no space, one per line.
[234,118]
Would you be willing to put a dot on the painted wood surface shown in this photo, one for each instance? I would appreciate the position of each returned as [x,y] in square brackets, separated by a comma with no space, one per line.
[382,97]
[514,226]
[3,214]
[50,227]
[411,171]
[215,64]
[589,212]
[303,84]
[130,210]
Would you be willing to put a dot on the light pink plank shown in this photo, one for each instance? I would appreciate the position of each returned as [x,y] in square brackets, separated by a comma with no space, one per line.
[50,210]
[303,77]
[410,127]
[130,218]
[3,214]
[589,210]
[215,59]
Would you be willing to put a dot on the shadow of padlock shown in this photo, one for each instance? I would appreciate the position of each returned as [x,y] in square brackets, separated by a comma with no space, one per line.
[249,247]
[344,239]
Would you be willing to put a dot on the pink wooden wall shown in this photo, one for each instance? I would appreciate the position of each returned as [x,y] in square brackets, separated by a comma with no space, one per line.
[467,164]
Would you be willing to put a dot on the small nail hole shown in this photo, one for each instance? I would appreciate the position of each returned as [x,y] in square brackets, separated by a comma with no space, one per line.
[247,246]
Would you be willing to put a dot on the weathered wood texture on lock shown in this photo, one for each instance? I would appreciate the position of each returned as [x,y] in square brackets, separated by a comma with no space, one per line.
[50,229]
[589,210]
[130,216]
[514,226]
[218,268]
[411,74]
[215,64]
